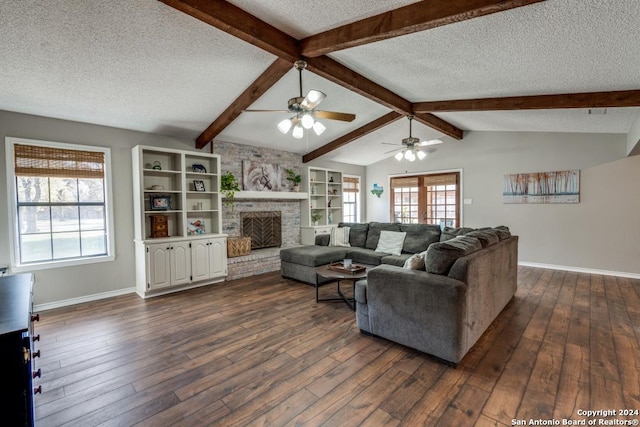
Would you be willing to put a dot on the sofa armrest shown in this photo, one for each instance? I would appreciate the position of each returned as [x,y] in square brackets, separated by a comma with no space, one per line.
[418,309]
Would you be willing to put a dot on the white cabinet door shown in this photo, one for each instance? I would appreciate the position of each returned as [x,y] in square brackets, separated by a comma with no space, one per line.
[200,260]
[217,257]
[159,266]
[180,263]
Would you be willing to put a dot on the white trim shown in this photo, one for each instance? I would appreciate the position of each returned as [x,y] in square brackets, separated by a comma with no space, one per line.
[80,300]
[10,141]
[580,269]
[291,195]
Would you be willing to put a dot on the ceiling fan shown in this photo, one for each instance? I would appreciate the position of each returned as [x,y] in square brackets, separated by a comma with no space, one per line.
[304,109]
[411,146]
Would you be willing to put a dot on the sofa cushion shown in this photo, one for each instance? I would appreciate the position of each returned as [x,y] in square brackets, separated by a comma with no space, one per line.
[450,232]
[313,255]
[357,233]
[397,260]
[486,236]
[419,237]
[441,256]
[391,242]
[365,256]
[502,232]
[415,262]
[373,235]
[339,237]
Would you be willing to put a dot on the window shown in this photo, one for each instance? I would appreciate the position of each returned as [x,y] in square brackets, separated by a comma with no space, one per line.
[431,199]
[351,198]
[405,199]
[61,204]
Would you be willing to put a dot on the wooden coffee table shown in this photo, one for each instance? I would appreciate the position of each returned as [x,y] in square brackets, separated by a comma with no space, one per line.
[338,276]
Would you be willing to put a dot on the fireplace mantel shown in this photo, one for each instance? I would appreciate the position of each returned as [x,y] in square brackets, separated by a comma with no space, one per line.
[290,195]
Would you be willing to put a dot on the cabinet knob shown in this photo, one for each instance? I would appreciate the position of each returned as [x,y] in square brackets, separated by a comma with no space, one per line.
[35,354]
[37,390]
[35,318]
[36,338]
[37,374]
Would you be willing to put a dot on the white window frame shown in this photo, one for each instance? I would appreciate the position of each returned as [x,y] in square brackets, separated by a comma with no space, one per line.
[12,196]
[358,198]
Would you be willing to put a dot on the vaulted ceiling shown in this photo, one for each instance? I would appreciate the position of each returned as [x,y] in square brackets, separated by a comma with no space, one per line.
[189,68]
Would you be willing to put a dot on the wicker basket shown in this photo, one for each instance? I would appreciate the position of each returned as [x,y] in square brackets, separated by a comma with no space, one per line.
[238,246]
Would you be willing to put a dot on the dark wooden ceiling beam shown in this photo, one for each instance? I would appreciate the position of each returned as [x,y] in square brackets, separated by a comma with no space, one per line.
[263,83]
[409,19]
[235,21]
[438,124]
[352,136]
[624,98]
[336,72]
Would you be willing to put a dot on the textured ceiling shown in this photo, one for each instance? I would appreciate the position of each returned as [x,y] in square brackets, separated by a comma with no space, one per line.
[145,66]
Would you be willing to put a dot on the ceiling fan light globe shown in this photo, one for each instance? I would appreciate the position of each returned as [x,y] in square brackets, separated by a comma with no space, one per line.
[408,154]
[307,121]
[298,131]
[318,128]
[421,155]
[284,126]
[399,155]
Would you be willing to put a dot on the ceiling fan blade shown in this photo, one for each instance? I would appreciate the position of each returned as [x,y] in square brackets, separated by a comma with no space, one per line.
[334,115]
[391,151]
[313,98]
[430,142]
[265,111]
[389,143]
[430,150]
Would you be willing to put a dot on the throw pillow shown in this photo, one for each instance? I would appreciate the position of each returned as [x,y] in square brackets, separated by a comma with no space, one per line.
[503,232]
[487,237]
[373,235]
[339,237]
[391,242]
[442,255]
[415,262]
[450,232]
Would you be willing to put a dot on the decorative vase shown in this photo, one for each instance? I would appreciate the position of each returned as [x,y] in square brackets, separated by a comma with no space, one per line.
[296,188]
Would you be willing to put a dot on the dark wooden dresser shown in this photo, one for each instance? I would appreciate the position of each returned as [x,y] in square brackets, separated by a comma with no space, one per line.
[17,368]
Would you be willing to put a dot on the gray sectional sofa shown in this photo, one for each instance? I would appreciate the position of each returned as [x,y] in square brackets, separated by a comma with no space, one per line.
[441,308]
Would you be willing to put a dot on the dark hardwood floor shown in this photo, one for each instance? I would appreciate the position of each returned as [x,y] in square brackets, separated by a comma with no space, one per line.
[260,351]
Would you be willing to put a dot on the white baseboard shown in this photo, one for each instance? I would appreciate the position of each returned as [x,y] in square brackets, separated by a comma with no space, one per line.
[87,298]
[580,270]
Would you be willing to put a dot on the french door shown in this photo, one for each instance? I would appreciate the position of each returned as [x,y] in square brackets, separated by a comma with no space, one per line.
[427,199]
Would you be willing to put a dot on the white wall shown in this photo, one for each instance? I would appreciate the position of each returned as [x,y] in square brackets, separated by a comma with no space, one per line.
[633,137]
[601,232]
[74,282]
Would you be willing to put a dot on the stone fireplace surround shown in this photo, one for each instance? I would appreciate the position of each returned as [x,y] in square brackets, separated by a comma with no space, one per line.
[260,260]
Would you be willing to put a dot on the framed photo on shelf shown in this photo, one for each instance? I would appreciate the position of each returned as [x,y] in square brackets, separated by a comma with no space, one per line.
[198,185]
[160,203]
[195,226]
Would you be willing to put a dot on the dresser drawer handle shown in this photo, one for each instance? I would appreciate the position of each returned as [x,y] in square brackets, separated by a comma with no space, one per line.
[37,390]
[35,354]
[36,338]
[35,318]
[37,374]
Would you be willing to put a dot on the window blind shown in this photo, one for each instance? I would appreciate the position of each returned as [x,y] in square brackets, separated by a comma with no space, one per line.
[33,160]
[444,179]
[350,185]
[405,181]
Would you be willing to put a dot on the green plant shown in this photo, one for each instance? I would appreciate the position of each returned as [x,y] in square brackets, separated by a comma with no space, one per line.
[315,216]
[228,185]
[293,176]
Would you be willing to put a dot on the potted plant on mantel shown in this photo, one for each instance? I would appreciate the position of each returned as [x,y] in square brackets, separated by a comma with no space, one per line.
[229,186]
[294,178]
